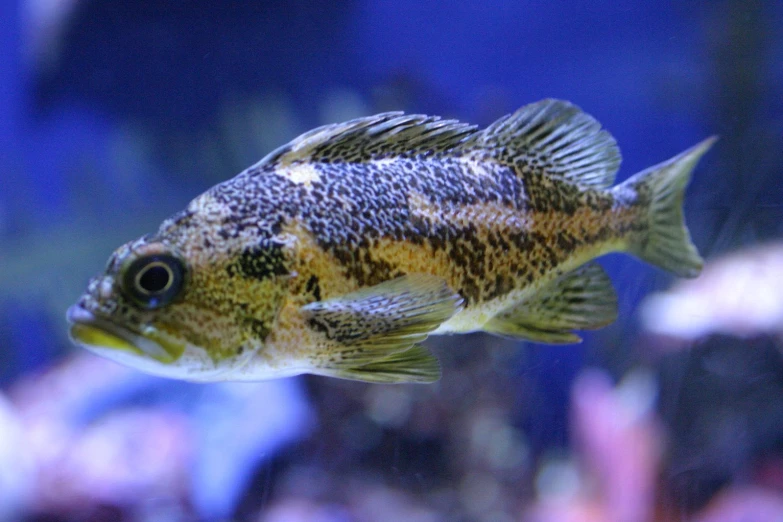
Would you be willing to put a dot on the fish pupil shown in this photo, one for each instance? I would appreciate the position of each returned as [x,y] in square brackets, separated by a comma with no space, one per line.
[155,279]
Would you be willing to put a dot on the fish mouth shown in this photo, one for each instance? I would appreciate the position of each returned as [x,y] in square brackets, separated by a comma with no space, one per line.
[105,337]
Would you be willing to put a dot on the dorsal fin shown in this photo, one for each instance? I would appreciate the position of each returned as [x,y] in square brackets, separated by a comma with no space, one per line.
[555,138]
[373,137]
[552,137]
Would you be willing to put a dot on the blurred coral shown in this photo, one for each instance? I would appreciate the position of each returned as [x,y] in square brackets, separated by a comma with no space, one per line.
[614,475]
[740,294]
[744,505]
[16,468]
[619,444]
[89,436]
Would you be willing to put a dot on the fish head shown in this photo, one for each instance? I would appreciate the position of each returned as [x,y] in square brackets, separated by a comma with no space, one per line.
[172,310]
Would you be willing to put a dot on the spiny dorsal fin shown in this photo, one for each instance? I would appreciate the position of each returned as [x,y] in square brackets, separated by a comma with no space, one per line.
[373,137]
[552,137]
[555,138]
[580,300]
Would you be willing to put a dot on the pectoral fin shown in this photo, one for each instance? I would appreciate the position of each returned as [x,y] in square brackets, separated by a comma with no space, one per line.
[580,300]
[370,334]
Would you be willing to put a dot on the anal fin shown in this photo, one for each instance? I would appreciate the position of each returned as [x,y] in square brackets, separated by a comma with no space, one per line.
[580,300]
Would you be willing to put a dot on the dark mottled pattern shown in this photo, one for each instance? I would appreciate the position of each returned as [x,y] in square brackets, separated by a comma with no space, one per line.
[313,288]
[368,171]
[260,261]
[259,328]
[258,204]
[549,195]
[353,205]
[357,204]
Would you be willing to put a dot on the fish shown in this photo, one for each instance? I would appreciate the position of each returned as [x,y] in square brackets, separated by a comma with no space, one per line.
[340,252]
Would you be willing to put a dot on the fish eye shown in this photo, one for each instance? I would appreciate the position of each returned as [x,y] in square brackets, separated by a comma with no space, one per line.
[154,281]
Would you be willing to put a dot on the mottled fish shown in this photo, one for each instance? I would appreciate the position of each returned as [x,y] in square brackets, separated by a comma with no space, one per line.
[338,253]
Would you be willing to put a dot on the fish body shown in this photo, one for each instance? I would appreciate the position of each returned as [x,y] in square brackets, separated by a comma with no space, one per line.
[339,252]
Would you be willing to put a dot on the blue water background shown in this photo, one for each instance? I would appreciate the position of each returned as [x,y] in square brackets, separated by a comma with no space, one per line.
[94,135]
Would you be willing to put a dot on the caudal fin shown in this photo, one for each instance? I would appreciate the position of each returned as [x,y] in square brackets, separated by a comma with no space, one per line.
[668,244]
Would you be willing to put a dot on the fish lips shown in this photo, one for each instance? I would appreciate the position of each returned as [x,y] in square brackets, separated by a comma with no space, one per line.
[114,341]
[150,350]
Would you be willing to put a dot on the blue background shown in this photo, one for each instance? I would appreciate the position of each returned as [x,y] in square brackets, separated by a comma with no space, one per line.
[116,114]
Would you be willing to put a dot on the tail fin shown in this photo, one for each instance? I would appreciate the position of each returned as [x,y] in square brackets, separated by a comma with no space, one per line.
[668,244]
